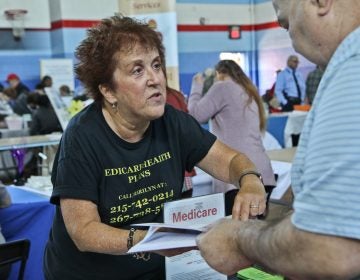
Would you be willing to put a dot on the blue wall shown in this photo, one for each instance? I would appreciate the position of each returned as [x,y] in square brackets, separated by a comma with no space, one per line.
[197,51]
[201,50]
[23,58]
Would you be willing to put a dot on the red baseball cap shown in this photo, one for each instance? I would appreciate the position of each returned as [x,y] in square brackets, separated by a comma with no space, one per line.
[12,76]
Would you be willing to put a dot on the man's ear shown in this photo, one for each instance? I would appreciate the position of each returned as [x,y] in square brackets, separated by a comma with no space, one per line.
[107,93]
[324,6]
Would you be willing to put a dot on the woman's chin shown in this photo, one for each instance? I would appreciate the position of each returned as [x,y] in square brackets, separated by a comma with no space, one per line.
[156,112]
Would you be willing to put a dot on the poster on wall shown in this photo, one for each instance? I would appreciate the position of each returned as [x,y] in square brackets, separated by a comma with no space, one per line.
[161,16]
[61,70]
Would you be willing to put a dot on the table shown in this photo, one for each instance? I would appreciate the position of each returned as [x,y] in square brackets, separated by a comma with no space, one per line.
[29,141]
[7,166]
[283,126]
[30,216]
[7,133]
[286,155]
[294,125]
[282,159]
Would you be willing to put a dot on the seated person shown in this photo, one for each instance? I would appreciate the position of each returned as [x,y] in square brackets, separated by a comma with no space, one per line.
[18,103]
[65,91]
[44,118]
[45,82]
[15,83]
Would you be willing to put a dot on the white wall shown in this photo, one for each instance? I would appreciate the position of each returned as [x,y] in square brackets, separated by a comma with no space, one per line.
[37,16]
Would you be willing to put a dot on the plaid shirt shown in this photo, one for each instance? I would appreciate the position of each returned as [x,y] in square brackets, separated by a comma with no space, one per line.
[312,83]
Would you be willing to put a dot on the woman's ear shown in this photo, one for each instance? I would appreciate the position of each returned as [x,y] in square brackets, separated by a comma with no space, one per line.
[107,93]
[323,6]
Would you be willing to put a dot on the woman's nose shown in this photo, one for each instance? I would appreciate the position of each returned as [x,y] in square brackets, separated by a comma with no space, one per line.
[154,76]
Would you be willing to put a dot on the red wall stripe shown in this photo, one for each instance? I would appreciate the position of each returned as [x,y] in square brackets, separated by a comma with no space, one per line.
[212,28]
[180,27]
[73,24]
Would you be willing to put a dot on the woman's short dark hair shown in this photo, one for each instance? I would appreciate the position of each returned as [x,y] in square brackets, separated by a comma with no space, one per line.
[96,53]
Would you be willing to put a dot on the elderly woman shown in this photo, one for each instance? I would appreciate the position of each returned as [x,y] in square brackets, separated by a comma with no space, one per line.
[124,155]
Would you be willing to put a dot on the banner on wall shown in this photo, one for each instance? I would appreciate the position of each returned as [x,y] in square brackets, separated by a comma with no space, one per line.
[160,15]
[61,70]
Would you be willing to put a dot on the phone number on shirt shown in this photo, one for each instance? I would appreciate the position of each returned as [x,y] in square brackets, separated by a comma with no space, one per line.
[139,204]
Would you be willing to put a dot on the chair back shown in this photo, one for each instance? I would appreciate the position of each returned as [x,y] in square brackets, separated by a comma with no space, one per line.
[14,251]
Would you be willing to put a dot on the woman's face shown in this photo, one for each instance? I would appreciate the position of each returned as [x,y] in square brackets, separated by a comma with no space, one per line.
[139,85]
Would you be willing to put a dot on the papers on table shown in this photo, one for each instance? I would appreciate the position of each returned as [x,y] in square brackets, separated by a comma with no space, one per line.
[164,236]
[38,184]
[183,221]
[190,265]
[283,169]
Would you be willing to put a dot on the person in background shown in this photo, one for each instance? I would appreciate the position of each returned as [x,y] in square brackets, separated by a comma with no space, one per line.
[65,91]
[237,117]
[18,103]
[176,99]
[290,85]
[16,95]
[270,99]
[321,238]
[15,83]
[1,87]
[44,119]
[312,82]
[46,82]
[124,155]
[5,201]
[66,95]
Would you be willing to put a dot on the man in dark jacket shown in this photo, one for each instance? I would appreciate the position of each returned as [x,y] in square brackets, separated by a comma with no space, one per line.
[15,83]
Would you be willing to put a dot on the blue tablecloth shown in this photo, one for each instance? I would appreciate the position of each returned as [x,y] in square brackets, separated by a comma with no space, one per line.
[276,126]
[30,216]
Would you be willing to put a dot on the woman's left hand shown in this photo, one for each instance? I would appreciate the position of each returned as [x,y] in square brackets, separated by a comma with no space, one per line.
[250,201]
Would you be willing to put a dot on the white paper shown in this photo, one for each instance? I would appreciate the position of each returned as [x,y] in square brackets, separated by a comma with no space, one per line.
[191,216]
[157,238]
[45,191]
[283,169]
[191,265]
[294,125]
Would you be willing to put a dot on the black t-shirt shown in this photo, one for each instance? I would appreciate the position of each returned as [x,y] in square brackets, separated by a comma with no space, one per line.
[128,181]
